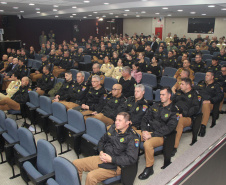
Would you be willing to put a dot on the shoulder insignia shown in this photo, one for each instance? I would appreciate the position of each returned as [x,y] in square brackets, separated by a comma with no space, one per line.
[166,115]
[199,98]
[67,86]
[129,105]
[83,88]
[144,108]
[78,90]
[116,101]
[178,116]
[52,78]
[72,86]
[109,133]
[105,96]
[212,87]
[96,93]
[155,110]
[136,142]
[189,96]
[121,140]
[137,109]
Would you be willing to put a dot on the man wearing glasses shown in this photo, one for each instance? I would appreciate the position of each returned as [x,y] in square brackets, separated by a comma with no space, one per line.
[96,71]
[198,65]
[109,105]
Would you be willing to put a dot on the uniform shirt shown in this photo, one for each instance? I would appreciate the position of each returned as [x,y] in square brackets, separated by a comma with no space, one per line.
[2,64]
[191,76]
[78,92]
[93,98]
[51,58]
[160,55]
[198,67]
[58,58]
[188,103]
[22,71]
[94,53]
[160,120]
[25,58]
[215,69]
[128,86]
[212,92]
[79,57]
[66,63]
[149,54]
[110,106]
[143,66]
[21,96]
[65,90]
[212,50]
[102,54]
[136,109]
[109,51]
[155,70]
[169,62]
[107,69]
[168,39]
[194,53]
[117,73]
[128,63]
[222,81]
[102,77]
[221,57]
[13,88]
[46,83]
[122,147]
[114,61]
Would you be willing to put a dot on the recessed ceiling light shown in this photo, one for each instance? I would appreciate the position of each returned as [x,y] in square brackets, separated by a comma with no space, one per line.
[101,19]
[104,16]
[1,10]
[192,12]
[125,14]
[90,15]
[86,1]
[38,12]
[37,8]
[144,0]
[97,17]
[111,13]
[211,6]
[137,15]
[21,11]
[203,14]
[84,17]
[74,14]
[169,15]
[55,6]
[55,10]
[157,13]
[143,12]
[223,9]
[74,6]
[71,16]
[56,16]
[116,16]
[165,8]
[3,2]
[31,4]
[180,10]
[15,7]
[127,10]
[94,12]
[106,3]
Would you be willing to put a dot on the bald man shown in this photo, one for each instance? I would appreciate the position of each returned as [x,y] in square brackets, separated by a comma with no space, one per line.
[109,106]
[20,97]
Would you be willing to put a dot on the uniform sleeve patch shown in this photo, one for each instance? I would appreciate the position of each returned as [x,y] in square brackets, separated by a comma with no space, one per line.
[136,143]
[199,98]
[144,108]
[83,88]
[137,109]
[52,78]
[121,140]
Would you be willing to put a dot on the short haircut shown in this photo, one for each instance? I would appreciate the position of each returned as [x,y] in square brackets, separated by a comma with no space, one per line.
[97,77]
[127,69]
[125,115]
[22,60]
[82,73]
[47,67]
[44,56]
[141,86]
[187,71]
[97,64]
[170,51]
[223,65]
[210,71]
[187,81]
[16,74]
[68,72]
[169,91]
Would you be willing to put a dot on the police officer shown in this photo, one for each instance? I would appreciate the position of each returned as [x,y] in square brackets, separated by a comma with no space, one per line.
[215,67]
[198,65]
[96,71]
[117,73]
[136,105]
[78,57]
[160,53]
[101,54]
[222,55]
[222,82]
[128,61]
[24,57]
[109,105]
[213,48]
[170,61]
[212,95]
[58,57]
[196,52]
[118,147]
[13,86]
[107,68]
[188,102]
[64,92]
[158,121]
[20,97]
[94,53]
[78,93]
[2,62]
[45,84]
[186,65]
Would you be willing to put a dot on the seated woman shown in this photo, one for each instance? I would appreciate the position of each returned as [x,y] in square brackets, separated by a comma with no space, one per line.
[136,72]
[142,63]
[154,68]
[117,73]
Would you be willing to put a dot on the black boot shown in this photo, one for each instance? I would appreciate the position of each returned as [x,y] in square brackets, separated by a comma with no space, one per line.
[148,171]
[174,152]
[213,124]
[202,131]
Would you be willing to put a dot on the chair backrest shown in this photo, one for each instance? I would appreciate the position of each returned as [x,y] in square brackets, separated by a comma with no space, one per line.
[46,152]
[206,56]
[208,62]
[59,111]
[36,64]
[87,74]
[149,79]
[27,140]
[216,53]
[30,63]
[34,98]
[169,71]
[168,81]
[109,82]
[65,172]
[147,60]
[11,128]
[199,77]
[205,52]
[148,95]
[157,95]
[2,120]
[95,128]
[76,120]
[87,58]
[74,73]
[222,62]
[45,104]
[60,80]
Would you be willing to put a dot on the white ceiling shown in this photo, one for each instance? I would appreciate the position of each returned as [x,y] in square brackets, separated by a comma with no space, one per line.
[115,8]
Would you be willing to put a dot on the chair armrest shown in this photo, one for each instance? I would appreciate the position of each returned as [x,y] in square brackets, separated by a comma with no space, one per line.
[60,125]
[31,158]
[11,144]
[44,178]
[33,108]
[79,134]
[2,132]
[46,116]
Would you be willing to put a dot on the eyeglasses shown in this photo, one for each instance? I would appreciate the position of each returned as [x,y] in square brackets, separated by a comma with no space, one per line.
[115,89]
[94,81]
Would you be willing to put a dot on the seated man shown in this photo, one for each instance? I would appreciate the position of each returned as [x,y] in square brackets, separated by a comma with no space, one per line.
[136,105]
[46,83]
[107,68]
[170,61]
[188,102]
[91,100]
[64,92]
[20,97]
[159,121]
[112,152]
[2,62]
[222,82]
[13,87]
[198,65]
[127,81]
[78,92]
[96,71]
[109,105]
[186,65]
[222,55]
[212,95]
[215,66]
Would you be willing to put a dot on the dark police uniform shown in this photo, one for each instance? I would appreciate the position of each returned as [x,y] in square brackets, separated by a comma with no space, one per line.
[46,83]
[169,62]
[198,67]
[65,64]
[102,77]
[221,57]
[212,50]
[114,61]
[215,69]
[64,91]
[128,86]
[160,55]
[222,81]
